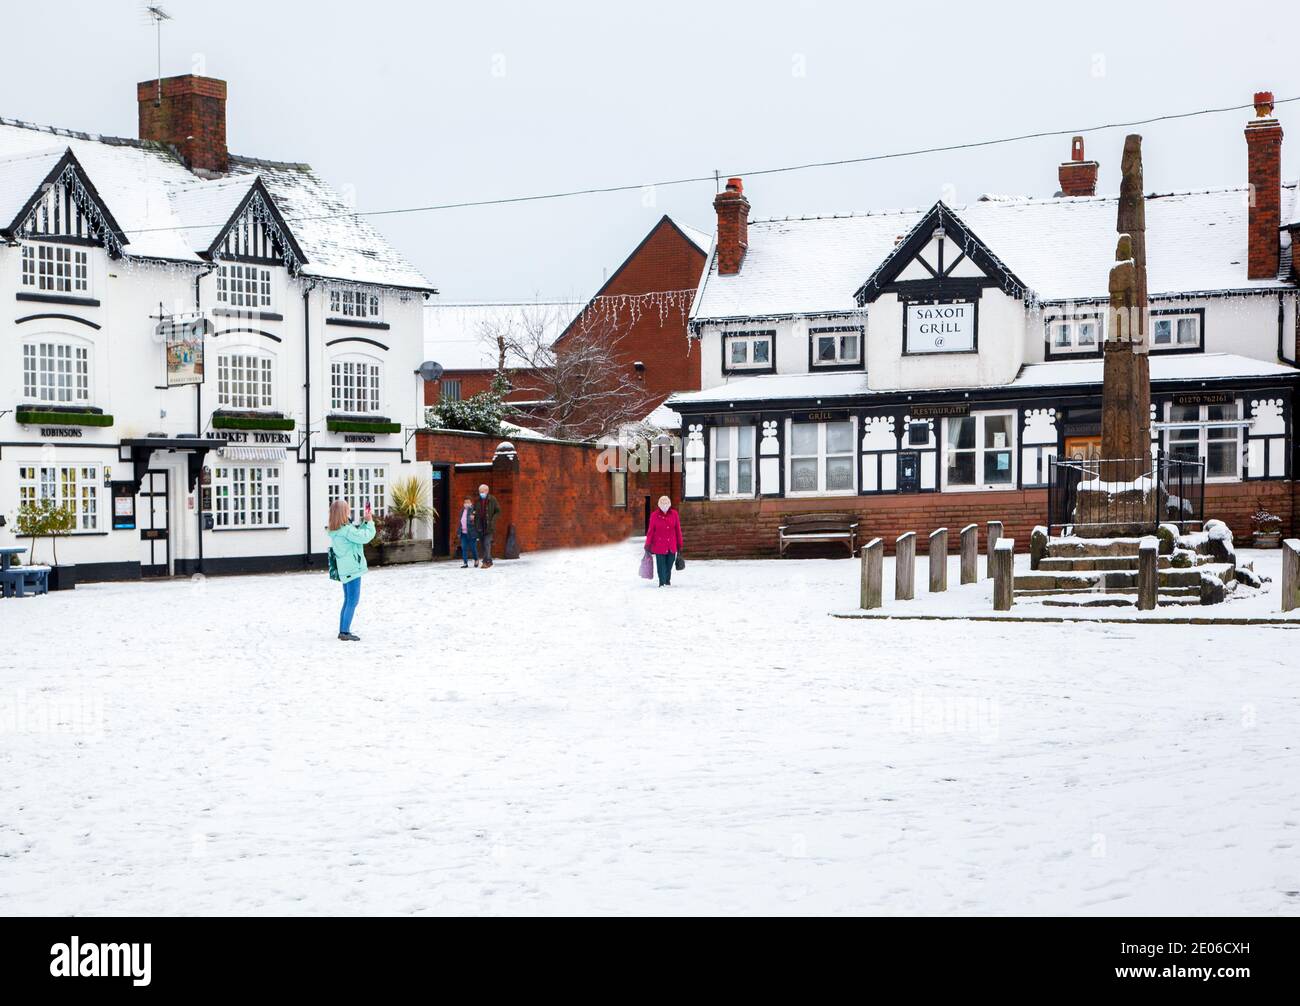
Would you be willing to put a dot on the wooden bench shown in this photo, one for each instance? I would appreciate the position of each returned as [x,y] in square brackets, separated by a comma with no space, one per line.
[810,527]
[15,580]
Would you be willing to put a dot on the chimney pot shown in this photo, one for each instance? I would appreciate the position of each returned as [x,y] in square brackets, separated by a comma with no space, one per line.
[1077,176]
[733,227]
[191,116]
[1264,174]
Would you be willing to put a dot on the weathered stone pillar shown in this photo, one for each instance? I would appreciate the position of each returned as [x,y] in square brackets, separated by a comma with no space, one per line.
[905,566]
[873,564]
[995,533]
[970,553]
[1148,578]
[1004,578]
[938,560]
[1290,574]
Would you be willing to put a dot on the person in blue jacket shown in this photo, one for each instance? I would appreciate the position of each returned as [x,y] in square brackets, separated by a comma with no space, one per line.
[348,545]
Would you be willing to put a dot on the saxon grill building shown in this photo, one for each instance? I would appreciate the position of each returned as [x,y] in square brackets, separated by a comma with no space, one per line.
[199,350]
[920,369]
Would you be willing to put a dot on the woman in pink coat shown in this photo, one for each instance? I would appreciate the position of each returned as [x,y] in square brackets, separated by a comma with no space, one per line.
[663,539]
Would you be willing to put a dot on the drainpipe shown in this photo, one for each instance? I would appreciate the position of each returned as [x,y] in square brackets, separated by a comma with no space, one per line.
[198,418]
[306,408]
[1281,328]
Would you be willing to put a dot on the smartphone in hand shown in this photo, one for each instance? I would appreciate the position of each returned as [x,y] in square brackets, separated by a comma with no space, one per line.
[366,514]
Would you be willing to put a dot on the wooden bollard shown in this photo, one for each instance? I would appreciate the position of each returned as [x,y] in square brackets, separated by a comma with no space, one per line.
[1148,573]
[1291,574]
[995,532]
[905,566]
[938,560]
[970,553]
[873,565]
[1003,561]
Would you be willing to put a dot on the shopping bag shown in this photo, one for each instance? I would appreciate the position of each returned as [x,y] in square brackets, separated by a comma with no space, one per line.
[680,564]
[647,567]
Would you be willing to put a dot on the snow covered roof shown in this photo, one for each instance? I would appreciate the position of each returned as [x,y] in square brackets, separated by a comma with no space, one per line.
[168,212]
[462,336]
[701,239]
[1293,220]
[664,418]
[1203,367]
[1062,248]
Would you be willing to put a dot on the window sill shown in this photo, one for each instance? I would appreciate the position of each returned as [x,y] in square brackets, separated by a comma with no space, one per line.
[251,527]
[980,489]
[382,326]
[247,313]
[59,298]
[830,493]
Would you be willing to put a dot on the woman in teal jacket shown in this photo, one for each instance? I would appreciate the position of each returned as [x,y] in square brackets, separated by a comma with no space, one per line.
[348,545]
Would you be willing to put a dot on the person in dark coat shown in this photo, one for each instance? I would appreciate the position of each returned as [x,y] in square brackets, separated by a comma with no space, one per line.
[663,539]
[488,510]
[467,527]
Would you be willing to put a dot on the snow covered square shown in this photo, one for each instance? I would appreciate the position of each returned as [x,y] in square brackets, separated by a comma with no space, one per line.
[555,735]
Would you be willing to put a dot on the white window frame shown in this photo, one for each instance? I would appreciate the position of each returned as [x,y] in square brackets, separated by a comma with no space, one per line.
[1177,322]
[75,484]
[1202,426]
[356,385]
[247,495]
[246,379]
[725,449]
[53,268]
[823,459]
[357,303]
[358,484]
[1012,448]
[749,340]
[838,336]
[244,286]
[1071,327]
[54,365]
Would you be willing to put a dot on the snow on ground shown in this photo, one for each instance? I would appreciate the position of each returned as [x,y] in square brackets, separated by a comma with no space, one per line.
[556,736]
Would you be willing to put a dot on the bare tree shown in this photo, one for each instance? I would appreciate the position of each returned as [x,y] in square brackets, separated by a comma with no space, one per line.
[587,385]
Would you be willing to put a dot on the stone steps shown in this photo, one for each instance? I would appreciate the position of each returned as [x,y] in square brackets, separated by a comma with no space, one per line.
[1102,562]
[1082,548]
[1130,591]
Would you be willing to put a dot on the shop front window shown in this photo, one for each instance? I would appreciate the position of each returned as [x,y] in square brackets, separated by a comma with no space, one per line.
[1219,446]
[733,461]
[980,451]
[821,458]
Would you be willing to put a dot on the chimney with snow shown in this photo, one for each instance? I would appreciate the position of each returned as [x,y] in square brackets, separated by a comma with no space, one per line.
[1264,172]
[189,113]
[1078,177]
[733,226]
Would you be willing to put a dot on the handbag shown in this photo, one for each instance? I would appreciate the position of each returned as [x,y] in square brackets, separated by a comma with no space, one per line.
[647,567]
[680,564]
[334,566]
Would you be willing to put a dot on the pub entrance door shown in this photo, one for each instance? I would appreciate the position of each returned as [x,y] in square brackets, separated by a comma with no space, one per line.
[152,504]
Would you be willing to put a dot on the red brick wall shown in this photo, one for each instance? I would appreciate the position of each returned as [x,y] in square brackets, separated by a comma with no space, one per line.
[524,385]
[748,529]
[556,498]
[732,209]
[1264,171]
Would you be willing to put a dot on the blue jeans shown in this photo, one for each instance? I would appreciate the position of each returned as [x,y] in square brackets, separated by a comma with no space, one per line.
[664,566]
[351,595]
[468,547]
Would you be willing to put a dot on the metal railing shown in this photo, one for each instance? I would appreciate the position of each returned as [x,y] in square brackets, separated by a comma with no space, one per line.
[1125,492]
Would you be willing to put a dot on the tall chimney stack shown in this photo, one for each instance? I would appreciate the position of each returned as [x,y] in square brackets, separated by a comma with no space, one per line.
[1264,172]
[1078,177]
[733,226]
[189,113]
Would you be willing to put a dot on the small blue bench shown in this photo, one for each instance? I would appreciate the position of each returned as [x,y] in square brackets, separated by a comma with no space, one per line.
[16,580]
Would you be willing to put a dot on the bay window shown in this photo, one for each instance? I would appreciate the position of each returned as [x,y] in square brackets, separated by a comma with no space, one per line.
[359,485]
[354,386]
[748,351]
[980,451]
[246,495]
[56,269]
[1220,446]
[73,486]
[733,461]
[245,381]
[56,373]
[821,458]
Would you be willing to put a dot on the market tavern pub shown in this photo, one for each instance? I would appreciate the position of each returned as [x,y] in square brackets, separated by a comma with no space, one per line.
[922,369]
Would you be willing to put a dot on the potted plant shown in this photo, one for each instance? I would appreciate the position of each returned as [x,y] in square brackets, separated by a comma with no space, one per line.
[1266,528]
[393,542]
[43,518]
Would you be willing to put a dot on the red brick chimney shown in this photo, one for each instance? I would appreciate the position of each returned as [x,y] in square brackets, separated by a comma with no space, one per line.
[189,114]
[733,226]
[1264,172]
[1077,176]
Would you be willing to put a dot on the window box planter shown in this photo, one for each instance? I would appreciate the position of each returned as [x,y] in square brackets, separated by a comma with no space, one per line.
[235,421]
[393,553]
[1267,539]
[339,424]
[50,417]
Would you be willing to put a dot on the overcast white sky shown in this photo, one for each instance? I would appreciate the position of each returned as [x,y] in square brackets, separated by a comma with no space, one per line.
[418,103]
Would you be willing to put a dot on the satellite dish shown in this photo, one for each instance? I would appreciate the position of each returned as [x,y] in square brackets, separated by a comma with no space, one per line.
[430,370]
